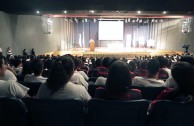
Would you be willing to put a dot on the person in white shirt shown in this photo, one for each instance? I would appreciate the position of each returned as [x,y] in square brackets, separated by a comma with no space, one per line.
[152,79]
[37,67]
[59,86]
[77,78]
[10,88]
[170,82]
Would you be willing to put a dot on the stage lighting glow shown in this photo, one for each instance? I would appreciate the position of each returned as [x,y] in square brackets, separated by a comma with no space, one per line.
[139,12]
[65,12]
[141,40]
[37,12]
[164,12]
[150,42]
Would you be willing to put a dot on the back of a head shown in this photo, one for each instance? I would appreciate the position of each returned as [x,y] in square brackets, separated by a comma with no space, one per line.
[77,62]
[98,62]
[119,78]
[17,62]
[188,59]
[153,66]
[61,73]
[183,74]
[132,65]
[26,68]
[106,61]
[163,61]
[37,66]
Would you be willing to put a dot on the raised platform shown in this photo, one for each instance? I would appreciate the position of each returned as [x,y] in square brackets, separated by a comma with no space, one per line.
[114,52]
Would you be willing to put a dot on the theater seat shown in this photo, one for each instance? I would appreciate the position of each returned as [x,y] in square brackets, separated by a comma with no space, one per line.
[92,89]
[34,87]
[45,112]
[150,93]
[168,113]
[117,113]
[13,112]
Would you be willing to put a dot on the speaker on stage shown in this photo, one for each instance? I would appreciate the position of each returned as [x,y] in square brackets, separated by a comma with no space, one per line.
[92,45]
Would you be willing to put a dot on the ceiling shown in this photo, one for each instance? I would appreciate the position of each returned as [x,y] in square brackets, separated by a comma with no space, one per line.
[102,8]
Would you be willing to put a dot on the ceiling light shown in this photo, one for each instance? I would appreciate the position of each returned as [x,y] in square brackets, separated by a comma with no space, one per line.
[92,11]
[65,11]
[139,12]
[164,12]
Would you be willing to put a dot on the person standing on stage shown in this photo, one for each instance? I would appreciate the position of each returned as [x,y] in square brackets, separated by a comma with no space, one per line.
[32,52]
[24,52]
[9,52]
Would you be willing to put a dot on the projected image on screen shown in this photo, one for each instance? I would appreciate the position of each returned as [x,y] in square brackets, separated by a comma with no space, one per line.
[110,30]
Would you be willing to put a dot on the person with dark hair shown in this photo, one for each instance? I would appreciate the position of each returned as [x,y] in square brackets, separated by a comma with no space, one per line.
[102,80]
[58,84]
[163,65]
[17,66]
[183,74]
[25,53]
[48,65]
[33,52]
[37,67]
[143,69]
[10,88]
[77,78]
[151,80]
[118,84]
[170,82]
[78,65]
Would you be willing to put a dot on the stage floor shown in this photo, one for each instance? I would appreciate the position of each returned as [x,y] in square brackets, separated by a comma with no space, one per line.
[114,52]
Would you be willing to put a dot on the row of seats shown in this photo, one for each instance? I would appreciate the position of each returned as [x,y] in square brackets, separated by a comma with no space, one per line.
[149,93]
[39,112]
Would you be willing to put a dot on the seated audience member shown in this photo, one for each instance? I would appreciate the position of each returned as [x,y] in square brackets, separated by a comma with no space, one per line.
[77,65]
[118,84]
[170,82]
[77,78]
[26,70]
[93,72]
[143,70]
[47,68]
[183,74]
[58,84]
[151,80]
[163,64]
[10,88]
[101,68]
[17,66]
[37,67]
[102,80]
[9,72]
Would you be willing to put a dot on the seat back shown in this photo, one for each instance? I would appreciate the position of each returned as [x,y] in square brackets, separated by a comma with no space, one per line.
[117,113]
[150,93]
[34,87]
[168,113]
[92,89]
[13,112]
[45,112]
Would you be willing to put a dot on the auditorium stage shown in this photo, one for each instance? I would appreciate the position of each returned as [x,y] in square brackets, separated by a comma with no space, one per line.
[113,52]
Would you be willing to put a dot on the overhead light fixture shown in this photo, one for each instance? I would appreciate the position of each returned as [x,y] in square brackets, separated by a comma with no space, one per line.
[92,11]
[65,12]
[164,12]
[38,12]
[139,12]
